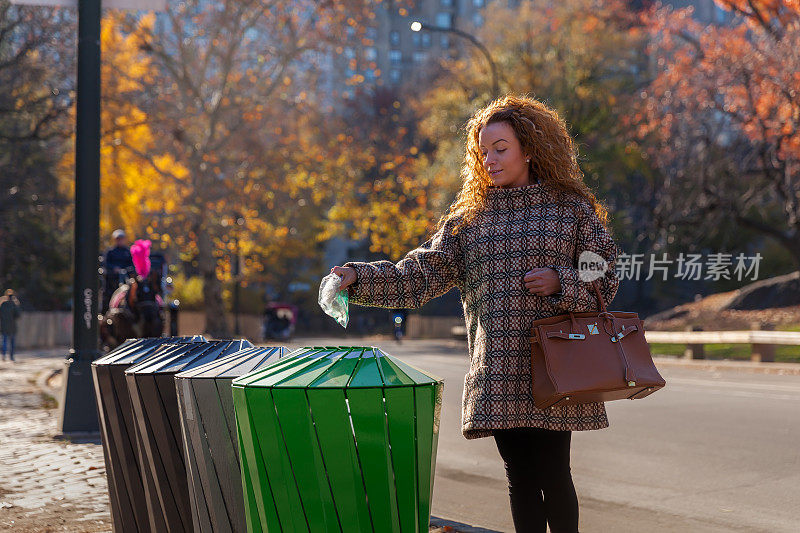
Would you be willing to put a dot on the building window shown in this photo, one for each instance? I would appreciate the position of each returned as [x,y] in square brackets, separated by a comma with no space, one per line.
[420,57]
[394,38]
[370,75]
[394,75]
[479,3]
[395,57]
[370,53]
[426,40]
[447,3]
[444,20]
[477,19]
[444,41]
[372,33]
[719,13]
[416,38]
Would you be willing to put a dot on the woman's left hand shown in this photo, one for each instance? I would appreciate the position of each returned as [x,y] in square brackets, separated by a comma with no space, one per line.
[542,281]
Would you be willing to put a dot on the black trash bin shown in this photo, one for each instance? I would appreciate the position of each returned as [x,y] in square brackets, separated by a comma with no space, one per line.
[209,436]
[125,483]
[151,386]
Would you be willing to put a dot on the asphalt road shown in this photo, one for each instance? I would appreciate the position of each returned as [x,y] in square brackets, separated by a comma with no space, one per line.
[714,451]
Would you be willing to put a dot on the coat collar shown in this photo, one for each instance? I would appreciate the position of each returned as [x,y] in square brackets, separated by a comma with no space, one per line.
[516,197]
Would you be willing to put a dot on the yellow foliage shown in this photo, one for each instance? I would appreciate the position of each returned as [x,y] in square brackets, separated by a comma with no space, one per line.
[131,189]
[189,290]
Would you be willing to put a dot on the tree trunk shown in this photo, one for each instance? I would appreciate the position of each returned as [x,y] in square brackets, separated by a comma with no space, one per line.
[216,317]
[794,248]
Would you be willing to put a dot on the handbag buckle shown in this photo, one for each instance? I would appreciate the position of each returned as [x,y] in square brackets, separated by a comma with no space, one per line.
[580,336]
[631,384]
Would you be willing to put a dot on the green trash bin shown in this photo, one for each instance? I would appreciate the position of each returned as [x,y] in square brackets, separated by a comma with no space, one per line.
[338,439]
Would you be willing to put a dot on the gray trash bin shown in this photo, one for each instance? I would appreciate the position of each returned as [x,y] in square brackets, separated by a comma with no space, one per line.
[209,437]
[151,386]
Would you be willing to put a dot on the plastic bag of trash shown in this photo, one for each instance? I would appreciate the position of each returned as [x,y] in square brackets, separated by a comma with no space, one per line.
[334,301]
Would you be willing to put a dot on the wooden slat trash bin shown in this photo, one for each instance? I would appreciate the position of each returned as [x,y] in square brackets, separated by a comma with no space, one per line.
[125,482]
[151,387]
[338,439]
[211,448]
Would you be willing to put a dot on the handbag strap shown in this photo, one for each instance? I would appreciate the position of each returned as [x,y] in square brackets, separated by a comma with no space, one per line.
[616,337]
[599,295]
[600,299]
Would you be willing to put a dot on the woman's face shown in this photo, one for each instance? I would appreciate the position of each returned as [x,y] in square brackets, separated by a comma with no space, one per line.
[502,155]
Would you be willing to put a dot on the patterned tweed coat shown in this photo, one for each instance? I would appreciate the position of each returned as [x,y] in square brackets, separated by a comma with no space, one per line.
[519,229]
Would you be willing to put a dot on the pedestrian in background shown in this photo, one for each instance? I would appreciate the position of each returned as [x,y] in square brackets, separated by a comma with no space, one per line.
[9,313]
[510,242]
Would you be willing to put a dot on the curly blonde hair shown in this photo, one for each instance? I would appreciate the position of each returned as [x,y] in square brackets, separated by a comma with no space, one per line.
[542,134]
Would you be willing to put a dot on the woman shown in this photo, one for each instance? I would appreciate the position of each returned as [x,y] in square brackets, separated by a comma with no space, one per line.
[510,243]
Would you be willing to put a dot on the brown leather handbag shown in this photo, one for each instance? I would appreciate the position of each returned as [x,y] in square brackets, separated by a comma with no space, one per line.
[591,357]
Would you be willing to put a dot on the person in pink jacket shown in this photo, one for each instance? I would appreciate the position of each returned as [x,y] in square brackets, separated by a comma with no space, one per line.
[510,243]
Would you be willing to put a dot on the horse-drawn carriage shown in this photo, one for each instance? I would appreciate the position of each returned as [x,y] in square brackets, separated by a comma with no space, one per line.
[139,299]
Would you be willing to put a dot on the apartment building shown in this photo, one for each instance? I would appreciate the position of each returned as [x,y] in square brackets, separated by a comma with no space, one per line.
[396,54]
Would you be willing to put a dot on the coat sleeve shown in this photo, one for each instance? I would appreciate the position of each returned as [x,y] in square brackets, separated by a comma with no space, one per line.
[425,272]
[577,295]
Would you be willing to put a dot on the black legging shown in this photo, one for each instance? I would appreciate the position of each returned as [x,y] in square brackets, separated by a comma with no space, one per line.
[539,479]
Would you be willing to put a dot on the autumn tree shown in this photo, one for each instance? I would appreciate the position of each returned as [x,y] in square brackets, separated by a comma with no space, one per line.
[392,204]
[720,120]
[36,52]
[129,188]
[229,100]
[581,57]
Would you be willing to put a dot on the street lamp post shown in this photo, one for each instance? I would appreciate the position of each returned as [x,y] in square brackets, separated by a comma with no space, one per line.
[78,408]
[419,26]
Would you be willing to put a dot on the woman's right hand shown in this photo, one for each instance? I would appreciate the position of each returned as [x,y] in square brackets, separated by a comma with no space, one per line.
[348,275]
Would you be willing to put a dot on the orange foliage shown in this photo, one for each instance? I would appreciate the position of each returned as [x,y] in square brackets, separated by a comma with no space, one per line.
[747,73]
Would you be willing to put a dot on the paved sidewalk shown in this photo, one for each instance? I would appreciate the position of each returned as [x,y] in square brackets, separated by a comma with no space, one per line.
[45,484]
